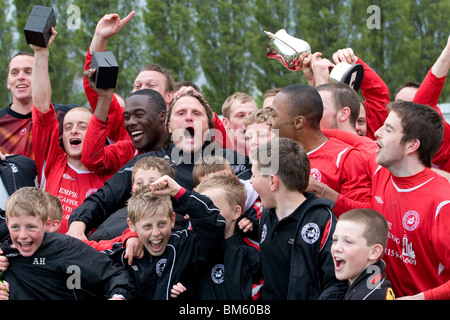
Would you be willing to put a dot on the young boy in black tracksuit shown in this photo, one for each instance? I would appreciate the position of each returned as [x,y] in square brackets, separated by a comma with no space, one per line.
[359,242]
[295,227]
[168,257]
[233,271]
[53,266]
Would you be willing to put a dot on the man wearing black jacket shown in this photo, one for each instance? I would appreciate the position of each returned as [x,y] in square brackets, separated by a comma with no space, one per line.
[189,123]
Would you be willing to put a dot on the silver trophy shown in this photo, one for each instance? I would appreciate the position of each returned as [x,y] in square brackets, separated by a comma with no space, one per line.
[291,51]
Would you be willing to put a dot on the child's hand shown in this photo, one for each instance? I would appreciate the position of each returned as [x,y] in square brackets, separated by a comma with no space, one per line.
[245,224]
[165,186]
[3,262]
[4,290]
[176,290]
[134,248]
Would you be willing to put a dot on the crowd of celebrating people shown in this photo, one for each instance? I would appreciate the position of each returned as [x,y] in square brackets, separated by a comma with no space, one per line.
[318,194]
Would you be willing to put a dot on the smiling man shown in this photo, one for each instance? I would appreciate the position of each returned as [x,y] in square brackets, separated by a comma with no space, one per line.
[189,123]
[144,115]
[15,119]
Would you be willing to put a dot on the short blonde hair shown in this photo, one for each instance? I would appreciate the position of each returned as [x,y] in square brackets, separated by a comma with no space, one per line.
[257,116]
[30,201]
[151,162]
[55,211]
[233,190]
[238,96]
[143,204]
[210,164]
[271,93]
[374,225]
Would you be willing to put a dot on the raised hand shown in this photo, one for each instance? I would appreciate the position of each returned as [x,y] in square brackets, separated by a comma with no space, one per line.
[345,55]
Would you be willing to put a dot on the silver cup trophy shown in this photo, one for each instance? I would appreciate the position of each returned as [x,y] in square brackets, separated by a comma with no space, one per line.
[291,51]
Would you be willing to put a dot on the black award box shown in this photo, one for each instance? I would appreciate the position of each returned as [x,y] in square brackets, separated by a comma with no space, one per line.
[106,69]
[39,25]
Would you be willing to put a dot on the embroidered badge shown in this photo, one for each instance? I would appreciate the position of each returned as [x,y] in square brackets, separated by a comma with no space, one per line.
[310,233]
[411,220]
[218,273]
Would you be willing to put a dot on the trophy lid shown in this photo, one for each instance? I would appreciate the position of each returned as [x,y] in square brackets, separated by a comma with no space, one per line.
[347,73]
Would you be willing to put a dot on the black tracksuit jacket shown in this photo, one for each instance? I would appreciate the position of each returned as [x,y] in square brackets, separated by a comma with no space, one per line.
[185,251]
[116,191]
[311,268]
[53,271]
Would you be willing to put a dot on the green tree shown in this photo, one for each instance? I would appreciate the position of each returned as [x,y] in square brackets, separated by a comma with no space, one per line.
[168,38]
[221,45]
[223,34]
[409,40]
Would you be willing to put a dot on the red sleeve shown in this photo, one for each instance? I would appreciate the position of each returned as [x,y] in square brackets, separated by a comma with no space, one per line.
[439,238]
[116,128]
[430,91]
[345,136]
[98,157]
[428,94]
[376,95]
[356,189]
[366,145]
[103,245]
[45,139]
[344,204]
[180,193]
[220,134]
[439,293]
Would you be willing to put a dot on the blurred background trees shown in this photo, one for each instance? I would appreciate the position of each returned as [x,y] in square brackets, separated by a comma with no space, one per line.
[221,45]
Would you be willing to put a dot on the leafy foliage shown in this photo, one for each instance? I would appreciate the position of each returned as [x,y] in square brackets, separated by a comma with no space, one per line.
[221,45]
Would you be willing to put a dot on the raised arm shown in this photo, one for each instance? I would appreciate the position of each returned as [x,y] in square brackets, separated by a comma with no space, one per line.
[108,26]
[40,81]
[373,89]
[442,64]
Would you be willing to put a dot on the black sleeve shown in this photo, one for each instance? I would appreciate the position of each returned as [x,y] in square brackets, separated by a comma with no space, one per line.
[18,171]
[243,273]
[107,200]
[240,163]
[207,223]
[113,277]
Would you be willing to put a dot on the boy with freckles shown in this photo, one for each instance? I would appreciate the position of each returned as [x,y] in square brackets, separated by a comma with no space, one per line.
[359,241]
